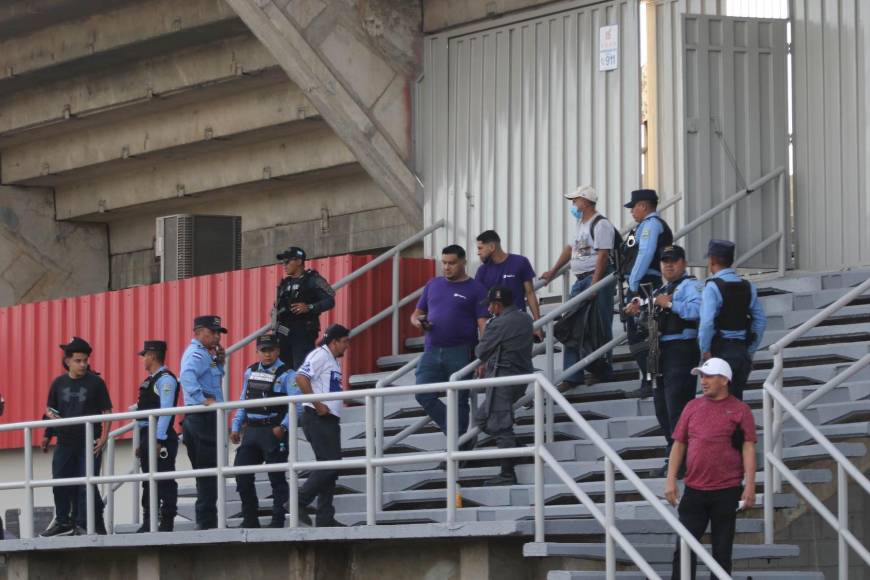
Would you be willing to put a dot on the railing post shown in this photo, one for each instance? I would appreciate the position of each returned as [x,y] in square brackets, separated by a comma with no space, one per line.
[550,370]
[843,520]
[89,473]
[221,448]
[225,380]
[609,518]
[566,285]
[777,422]
[395,328]
[782,215]
[292,454]
[539,462]
[134,491]
[110,489]
[732,223]
[379,450]
[153,502]
[371,503]
[27,514]
[452,434]
[767,414]
[685,561]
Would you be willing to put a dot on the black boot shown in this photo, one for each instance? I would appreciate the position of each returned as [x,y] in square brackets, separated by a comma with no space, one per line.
[503,478]
[167,523]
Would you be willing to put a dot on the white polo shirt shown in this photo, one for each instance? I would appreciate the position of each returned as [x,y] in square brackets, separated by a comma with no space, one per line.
[324,372]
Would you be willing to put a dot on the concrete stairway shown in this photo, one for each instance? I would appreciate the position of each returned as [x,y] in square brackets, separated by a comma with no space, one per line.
[416,494]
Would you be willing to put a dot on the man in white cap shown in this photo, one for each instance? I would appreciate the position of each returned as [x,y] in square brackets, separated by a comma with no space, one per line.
[719,432]
[590,262]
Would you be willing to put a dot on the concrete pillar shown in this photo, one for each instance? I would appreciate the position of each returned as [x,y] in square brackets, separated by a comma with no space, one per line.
[17,567]
[148,565]
[474,560]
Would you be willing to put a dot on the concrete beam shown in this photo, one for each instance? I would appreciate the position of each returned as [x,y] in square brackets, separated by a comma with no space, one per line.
[346,87]
[441,14]
[18,17]
[209,126]
[143,87]
[41,259]
[106,39]
[249,166]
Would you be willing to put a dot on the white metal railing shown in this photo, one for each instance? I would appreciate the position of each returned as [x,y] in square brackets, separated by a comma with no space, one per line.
[777,409]
[538,451]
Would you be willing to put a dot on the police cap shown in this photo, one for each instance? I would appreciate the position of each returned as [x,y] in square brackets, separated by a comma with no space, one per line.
[265,341]
[292,253]
[673,253]
[76,345]
[209,321]
[153,346]
[500,294]
[642,195]
[721,249]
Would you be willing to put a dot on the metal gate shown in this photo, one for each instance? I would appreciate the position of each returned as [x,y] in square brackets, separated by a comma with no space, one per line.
[735,122]
[515,113]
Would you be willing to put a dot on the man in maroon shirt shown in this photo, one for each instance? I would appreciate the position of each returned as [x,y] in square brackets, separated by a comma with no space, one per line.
[719,432]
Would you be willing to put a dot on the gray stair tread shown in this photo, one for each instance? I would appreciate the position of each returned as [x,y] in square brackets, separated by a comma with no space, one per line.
[654,527]
[653,553]
[702,575]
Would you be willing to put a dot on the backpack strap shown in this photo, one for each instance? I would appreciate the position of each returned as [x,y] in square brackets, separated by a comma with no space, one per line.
[594,223]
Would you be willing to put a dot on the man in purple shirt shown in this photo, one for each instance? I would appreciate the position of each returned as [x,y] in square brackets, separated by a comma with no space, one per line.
[512,271]
[451,312]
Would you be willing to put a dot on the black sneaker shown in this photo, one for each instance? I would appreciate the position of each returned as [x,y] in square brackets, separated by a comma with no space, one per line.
[333,523]
[277,522]
[254,523]
[501,479]
[79,531]
[166,525]
[304,518]
[57,529]
[144,528]
[644,392]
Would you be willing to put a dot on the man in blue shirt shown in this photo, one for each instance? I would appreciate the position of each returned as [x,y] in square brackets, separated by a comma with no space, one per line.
[265,430]
[732,318]
[452,313]
[158,391]
[202,369]
[641,255]
[678,304]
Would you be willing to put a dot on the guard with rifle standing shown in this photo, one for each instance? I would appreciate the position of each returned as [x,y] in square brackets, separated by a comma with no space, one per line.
[641,254]
[302,296]
[672,318]
[732,318]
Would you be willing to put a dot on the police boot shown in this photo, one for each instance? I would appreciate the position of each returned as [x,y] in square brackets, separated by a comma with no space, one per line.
[99,524]
[167,524]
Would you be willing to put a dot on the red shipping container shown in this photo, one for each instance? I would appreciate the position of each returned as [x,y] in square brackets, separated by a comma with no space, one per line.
[116,324]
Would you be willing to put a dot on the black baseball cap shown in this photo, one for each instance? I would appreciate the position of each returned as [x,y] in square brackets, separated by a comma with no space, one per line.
[292,253]
[334,332]
[209,321]
[500,294]
[642,195]
[76,345]
[673,253]
[153,346]
[267,341]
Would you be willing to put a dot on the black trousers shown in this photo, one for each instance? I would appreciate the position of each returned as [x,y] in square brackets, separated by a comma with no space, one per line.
[735,353]
[717,508]
[167,489]
[259,445]
[297,343]
[200,439]
[70,501]
[637,334]
[677,385]
[324,435]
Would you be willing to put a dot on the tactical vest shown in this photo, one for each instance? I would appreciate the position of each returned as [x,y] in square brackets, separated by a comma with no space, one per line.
[149,399]
[669,321]
[261,385]
[295,290]
[631,246]
[736,299]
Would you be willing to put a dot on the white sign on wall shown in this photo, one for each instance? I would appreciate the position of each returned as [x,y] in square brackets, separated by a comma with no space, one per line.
[608,46]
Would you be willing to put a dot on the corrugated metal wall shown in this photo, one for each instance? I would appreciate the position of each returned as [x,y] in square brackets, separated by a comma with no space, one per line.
[517,114]
[735,84]
[831,128]
[116,323]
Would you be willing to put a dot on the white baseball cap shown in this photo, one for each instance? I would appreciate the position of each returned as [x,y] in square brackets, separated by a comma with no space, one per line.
[587,192]
[714,366]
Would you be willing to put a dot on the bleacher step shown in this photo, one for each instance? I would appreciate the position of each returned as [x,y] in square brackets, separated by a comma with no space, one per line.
[702,575]
[652,553]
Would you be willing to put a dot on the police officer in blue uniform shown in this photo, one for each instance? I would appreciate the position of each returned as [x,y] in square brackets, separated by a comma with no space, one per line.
[262,431]
[732,318]
[640,257]
[302,295]
[678,306]
[202,369]
[158,391]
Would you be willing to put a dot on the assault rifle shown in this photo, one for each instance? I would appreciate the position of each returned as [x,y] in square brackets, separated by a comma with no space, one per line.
[652,325]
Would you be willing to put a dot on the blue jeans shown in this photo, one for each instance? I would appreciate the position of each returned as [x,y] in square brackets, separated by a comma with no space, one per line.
[436,365]
[604,305]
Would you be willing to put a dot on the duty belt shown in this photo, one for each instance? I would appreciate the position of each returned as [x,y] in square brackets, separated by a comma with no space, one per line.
[271,422]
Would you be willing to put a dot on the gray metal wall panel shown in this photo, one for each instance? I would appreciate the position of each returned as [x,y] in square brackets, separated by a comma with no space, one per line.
[734,79]
[518,114]
[831,159]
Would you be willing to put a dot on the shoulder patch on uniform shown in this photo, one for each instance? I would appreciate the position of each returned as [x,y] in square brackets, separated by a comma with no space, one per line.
[321,283]
[167,388]
[645,233]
